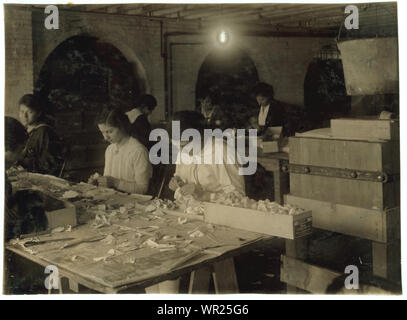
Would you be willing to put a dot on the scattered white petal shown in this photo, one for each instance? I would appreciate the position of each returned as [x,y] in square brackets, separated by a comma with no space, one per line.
[70,194]
[182,220]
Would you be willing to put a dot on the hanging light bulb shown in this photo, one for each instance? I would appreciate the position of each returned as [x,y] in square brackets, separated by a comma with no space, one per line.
[223,37]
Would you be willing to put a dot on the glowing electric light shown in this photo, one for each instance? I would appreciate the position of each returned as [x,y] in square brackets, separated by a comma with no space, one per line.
[223,37]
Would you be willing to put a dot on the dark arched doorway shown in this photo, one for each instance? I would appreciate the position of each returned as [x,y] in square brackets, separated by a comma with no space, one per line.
[325,92]
[229,76]
[80,77]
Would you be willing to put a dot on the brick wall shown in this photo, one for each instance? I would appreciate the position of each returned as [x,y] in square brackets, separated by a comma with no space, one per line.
[137,40]
[19,57]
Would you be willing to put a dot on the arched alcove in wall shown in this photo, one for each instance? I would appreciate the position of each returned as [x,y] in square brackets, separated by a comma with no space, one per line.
[325,94]
[80,76]
[230,76]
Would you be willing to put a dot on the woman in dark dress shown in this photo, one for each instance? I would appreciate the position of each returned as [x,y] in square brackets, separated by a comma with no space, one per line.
[138,117]
[43,150]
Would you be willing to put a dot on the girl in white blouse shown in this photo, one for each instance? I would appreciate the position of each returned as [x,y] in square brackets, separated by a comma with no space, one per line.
[127,165]
[204,180]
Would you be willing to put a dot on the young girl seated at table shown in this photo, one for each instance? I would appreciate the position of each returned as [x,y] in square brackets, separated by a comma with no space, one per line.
[127,165]
[24,212]
[43,150]
[205,180]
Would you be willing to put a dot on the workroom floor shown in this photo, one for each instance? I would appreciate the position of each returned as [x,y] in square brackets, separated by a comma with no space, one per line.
[259,271]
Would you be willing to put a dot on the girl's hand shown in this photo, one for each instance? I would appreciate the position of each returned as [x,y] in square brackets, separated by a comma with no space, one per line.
[93,179]
[175,183]
[108,182]
[191,189]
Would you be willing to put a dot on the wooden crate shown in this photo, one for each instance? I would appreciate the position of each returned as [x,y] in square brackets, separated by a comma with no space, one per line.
[372,156]
[363,194]
[350,154]
[270,146]
[369,129]
[316,279]
[377,225]
[279,225]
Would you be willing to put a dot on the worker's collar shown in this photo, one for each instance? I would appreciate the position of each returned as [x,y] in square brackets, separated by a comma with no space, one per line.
[134,114]
[121,144]
[30,128]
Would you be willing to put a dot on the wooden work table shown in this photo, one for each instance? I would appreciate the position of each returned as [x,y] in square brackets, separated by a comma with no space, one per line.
[126,262]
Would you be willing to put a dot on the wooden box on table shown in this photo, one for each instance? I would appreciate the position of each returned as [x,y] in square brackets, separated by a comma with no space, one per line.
[59,213]
[279,225]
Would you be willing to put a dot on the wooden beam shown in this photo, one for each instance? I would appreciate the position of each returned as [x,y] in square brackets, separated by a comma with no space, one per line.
[321,12]
[155,7]
[196,12]
[299,10]
[340,17]
[97,8]
[174,10]
[274,16]
[304,14]
[231,15]
[90,7]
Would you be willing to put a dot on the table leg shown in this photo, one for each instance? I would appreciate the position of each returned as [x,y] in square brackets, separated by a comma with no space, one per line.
[73,285]
[169,286]
[63,285]
[224,277]
[153,289]
[298,249]
[281,181]
[200,280]
[67,285]
[386,261]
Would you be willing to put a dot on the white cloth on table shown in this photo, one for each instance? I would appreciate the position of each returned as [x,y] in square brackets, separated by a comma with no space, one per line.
[263,115]
[130,163]
[220,175]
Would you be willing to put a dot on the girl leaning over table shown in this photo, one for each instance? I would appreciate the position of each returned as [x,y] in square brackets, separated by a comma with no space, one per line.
[23,210]
[204,181]
[127,165]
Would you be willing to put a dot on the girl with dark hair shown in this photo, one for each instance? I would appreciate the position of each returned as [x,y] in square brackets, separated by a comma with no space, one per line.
[271,111]
[127,165]
[140,126]
[23,214]
[23,211]
[43,150]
